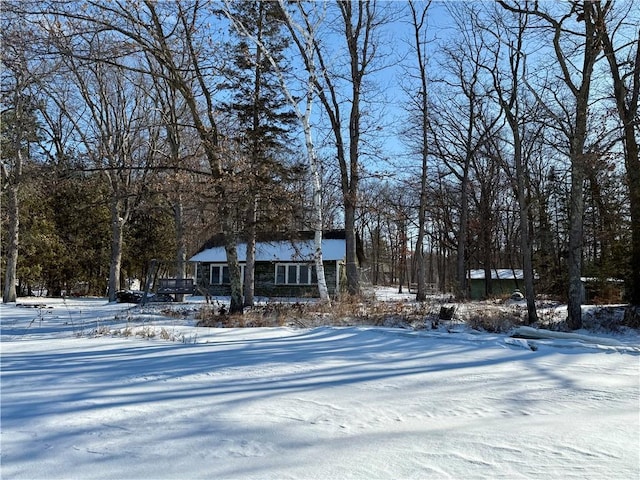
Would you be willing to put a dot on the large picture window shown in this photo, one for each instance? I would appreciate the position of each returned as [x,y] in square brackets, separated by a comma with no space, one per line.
[296,274]
[220,274]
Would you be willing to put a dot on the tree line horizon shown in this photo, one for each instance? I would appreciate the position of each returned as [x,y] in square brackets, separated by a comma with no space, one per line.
[136,130]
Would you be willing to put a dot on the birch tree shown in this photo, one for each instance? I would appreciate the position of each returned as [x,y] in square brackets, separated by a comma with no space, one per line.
[260,112]
[358,23]
[303,36]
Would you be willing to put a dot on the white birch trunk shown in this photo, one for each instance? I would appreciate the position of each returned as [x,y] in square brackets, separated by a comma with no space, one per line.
[317,199]
[9,294]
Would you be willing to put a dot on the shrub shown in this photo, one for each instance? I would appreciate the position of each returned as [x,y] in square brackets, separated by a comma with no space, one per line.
[494,320]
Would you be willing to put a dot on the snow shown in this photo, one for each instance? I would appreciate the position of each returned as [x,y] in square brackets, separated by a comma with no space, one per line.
[94,390]
[332,250]
[498,274]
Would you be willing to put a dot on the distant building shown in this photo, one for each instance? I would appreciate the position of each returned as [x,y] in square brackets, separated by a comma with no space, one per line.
[602,290]
[504,281]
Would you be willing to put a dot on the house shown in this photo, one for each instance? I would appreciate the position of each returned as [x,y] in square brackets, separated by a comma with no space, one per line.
[503,282]
[283,268]
[602,290]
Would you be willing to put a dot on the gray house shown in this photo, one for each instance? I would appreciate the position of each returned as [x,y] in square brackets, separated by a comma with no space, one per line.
[283,268]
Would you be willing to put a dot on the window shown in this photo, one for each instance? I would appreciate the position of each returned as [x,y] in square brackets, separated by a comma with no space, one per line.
[296,274]
[220,274]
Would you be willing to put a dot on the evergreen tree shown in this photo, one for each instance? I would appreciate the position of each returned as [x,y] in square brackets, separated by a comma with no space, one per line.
[19,130]
[263,118]
[79,207]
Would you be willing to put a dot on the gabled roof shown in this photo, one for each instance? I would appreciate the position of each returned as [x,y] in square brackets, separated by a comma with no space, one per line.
[278,251]
[498,274]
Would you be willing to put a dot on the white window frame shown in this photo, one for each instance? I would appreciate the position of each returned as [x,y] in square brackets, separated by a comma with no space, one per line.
[288,267]
[220,279]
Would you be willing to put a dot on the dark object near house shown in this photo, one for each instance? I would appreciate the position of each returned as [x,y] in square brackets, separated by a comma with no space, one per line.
[129,296]
[159,297]
[176,285]
[135,296]
[517,295]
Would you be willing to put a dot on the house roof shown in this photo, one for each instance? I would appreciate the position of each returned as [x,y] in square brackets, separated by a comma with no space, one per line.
[217,240]
[285,251]
[497,274]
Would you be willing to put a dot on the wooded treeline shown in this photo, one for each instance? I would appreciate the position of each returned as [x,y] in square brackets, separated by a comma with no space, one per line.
[442,137]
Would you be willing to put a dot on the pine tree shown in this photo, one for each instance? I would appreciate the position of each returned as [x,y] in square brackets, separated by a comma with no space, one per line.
[263,117]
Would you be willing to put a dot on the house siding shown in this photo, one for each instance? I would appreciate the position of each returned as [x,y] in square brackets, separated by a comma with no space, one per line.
[500,287]
[264,282]
[503,282]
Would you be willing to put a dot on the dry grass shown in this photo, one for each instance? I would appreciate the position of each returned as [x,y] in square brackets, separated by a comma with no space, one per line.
[494,320]
[495,316]
[347,312]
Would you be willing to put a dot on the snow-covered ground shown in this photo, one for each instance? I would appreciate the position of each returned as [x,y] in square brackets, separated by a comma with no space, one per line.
[92,390]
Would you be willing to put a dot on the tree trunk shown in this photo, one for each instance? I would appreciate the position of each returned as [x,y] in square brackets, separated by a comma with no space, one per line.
[117,236]
[250,263]
[590,15]
[627,105]
[488,283]
[463,226]
[525,233]
[418,23]
[11,179]
[525,240]
[353,279]
[351,180]
[633,175]
[317,196]
[252,215]
[231,250]
[402,254]
[578,176]
[576,228]
[317,257]
[10,278]
[485,239]
[181,253]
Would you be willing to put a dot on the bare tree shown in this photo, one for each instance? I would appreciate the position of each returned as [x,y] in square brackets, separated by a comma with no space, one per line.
[420,104]
[117,131]
[623,57]
[21,75]
[506,80]
[172,33]
[358,22]
[578,79]
[463,124]
[179,155]
[15,115]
